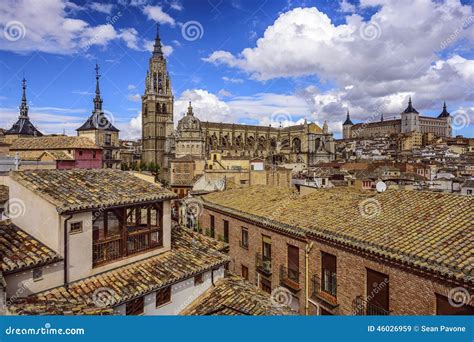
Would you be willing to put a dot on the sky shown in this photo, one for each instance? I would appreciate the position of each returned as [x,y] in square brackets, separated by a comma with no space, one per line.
[264,62]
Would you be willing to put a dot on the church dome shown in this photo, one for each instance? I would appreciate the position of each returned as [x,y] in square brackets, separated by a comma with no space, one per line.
[189,122]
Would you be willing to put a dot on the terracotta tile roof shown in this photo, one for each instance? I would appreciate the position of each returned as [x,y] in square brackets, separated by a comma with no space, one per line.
[37,155]
[20,250]
[191,253]
[3,194]
[81,189]
[53,143]
[235,296]
[430,231]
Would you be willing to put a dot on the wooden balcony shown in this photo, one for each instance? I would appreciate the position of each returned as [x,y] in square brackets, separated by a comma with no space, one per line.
[126,232]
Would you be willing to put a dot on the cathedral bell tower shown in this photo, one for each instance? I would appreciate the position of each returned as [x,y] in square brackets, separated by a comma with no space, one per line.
[157,111]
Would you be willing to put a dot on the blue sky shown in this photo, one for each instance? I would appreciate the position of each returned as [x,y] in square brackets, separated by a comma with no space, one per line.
[249,61]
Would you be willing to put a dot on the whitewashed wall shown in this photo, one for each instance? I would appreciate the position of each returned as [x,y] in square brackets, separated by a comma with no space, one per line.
[182,295]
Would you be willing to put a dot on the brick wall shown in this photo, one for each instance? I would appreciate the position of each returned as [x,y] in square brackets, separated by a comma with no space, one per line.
[409,293]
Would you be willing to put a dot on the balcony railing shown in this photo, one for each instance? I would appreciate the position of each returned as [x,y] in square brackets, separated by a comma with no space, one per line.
[362,307]
[290,278]
[107,250]
[325,291]
[116,247]
[263,264]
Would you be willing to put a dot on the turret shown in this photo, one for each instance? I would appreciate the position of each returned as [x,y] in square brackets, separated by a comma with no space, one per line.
[410,121]
[346,127]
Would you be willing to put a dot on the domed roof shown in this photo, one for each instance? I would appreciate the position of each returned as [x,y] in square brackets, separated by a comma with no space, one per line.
[189,122]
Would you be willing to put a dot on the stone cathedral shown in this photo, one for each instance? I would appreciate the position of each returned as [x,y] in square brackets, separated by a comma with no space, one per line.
[306,143]
[157,110]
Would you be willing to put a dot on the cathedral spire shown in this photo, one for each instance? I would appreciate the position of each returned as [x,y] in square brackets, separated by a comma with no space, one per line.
[381,117]
[97,98]
[24,105]
[157,46]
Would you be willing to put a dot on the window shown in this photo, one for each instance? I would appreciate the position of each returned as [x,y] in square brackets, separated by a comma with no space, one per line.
[443,307]
[245,272]
[76,227]
[163,296]
[329,271]
[469,191]
[37,274]
[377,293]
[244,242]
[80,153]
[135,307]
[293,263]
[108,139]
[226,231]
[213,225]
[93,154]
[266,248]
[199,279]
[266,285]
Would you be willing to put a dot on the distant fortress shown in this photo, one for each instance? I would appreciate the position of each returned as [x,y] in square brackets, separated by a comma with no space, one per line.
[410,121]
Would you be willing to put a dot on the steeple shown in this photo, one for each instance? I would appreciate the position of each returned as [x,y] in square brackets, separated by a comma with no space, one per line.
[24,105]
[325,127]
[410,108]
[444,113]
[381,117]
[97,98]
[23,126]
[157,46]
[348,119]
[190,109]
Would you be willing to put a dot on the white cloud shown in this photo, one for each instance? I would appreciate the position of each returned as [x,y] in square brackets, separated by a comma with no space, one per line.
[373,64]
[346,6]
[224,93]
[176,5]
[232,80]
[156,13]
[130,37]
[206,106]
[101,7]
[134,97]
[131,87]
[47,26]
[133,129]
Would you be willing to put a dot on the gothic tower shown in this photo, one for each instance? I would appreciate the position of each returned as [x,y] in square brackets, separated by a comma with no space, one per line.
[157,111]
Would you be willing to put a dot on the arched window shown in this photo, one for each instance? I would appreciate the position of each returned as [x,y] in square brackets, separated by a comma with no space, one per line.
[163,108]
[296,145]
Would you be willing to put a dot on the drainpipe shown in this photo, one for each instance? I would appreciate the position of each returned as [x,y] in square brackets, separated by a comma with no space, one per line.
[308,248]
[65,260]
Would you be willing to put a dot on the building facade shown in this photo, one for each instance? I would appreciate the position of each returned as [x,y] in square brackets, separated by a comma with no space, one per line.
[57,152]
[345,259]
[100,129]
[410,122]
[306,143]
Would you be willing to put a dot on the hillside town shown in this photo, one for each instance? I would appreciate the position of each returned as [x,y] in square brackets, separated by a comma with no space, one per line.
[215,218]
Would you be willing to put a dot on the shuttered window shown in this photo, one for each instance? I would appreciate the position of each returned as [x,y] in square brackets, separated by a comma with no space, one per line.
[329,274]
[135,307]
